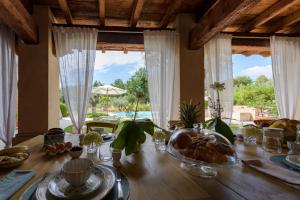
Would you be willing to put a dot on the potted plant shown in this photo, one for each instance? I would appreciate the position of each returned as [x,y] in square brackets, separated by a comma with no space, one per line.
[189,114]
[216,123]
[132,133]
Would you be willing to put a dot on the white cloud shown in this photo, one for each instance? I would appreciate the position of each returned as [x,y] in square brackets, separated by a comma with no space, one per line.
[104,60]
[256,71]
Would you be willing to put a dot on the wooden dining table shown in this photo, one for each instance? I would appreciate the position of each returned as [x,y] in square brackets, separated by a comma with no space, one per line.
[155,175]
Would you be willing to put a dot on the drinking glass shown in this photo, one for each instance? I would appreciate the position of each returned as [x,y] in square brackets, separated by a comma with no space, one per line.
[159,140]
[249,135]
[105,151]
[272,140]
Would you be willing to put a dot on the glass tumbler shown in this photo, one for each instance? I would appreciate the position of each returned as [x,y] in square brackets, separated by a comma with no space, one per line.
[272,140]
[249,135]
[105,151]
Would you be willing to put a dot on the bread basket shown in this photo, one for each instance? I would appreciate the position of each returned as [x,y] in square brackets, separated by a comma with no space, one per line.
[13,152]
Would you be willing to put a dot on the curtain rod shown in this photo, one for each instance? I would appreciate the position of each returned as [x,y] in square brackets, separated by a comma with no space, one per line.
[114,29]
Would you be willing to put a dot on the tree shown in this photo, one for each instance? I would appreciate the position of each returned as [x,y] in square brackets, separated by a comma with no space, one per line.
[119,84]
[258,95]
[94,100]
[97,83]
[242,80]
[137,85]
[262,79]
[121,103]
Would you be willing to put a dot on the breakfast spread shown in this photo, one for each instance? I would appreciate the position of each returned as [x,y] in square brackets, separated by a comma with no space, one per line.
[57,148]
[202,148]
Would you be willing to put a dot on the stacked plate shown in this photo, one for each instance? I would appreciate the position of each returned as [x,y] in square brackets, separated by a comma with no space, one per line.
[98,185]
[293,161]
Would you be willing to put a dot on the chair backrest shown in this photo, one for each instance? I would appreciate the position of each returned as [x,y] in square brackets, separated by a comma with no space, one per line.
[90,125]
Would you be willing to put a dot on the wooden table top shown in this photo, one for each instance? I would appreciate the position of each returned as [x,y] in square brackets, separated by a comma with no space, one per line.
[157,176]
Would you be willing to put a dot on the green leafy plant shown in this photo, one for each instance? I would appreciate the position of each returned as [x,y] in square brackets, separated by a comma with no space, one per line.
[92,115]
[132,133]
[189,114]
[63,109]
[216,122]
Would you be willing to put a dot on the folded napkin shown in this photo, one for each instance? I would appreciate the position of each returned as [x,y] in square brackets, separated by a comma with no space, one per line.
[266,167]
[28,193]
[13,181]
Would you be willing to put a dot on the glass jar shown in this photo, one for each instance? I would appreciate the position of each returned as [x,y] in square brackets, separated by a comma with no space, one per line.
[249,135]
[105,151]
[272,139]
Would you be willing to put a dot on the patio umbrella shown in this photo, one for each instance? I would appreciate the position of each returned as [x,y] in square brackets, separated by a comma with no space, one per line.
[108,90]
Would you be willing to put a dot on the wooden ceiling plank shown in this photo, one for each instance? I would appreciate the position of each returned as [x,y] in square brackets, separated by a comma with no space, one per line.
[268,14]
[206,7]
[215,20]
[288,20]
[136,11]
[101,4]
[15,15]
[66,10]
[27,4]
[170,13]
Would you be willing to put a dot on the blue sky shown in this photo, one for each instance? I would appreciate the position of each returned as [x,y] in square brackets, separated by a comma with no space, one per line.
[252,66]
[113,65]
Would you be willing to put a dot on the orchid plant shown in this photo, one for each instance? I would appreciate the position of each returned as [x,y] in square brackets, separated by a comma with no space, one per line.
[216,110]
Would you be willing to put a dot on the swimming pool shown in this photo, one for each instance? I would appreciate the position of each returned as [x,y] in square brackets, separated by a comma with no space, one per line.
[140,114]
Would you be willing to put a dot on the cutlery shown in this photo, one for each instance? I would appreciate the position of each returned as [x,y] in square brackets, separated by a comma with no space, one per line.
[119,185]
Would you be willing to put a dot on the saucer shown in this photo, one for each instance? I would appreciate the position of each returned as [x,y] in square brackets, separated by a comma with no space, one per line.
[106,176]
[60,188]
[293,159]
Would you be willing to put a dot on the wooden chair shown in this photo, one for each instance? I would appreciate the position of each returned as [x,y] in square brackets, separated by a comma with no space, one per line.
[99,124]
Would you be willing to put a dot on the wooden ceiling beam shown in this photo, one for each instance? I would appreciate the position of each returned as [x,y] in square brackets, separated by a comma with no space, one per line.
[15,15]
[101,4]
[66,10]
[170,13]
[205,7]
[119,47]
[268,14]
[119,38]
[27,4]
[136,12]
[288,20]
[223,14]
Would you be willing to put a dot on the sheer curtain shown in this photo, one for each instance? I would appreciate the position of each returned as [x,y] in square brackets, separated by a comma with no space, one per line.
[285,54]
[218,68]
[76,51]
[162,63]
[8,85]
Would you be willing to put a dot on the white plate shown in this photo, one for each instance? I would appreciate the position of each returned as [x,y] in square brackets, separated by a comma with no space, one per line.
[60,188]
[107,177]
[294,159]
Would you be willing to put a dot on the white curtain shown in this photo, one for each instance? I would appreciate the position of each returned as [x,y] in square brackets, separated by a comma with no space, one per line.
[8,85]
[162,63]
[76,51]
[218,68]
[285,54]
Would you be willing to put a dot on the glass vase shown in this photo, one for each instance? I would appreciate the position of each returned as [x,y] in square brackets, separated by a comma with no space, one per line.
[92,148]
